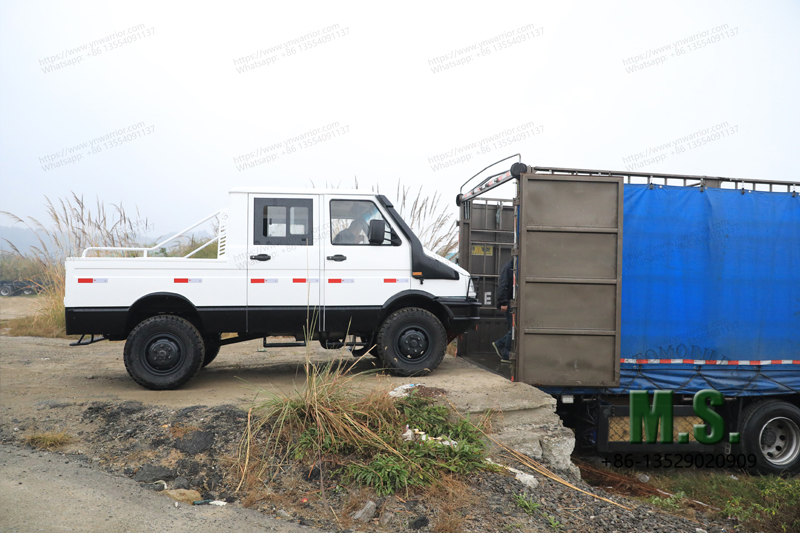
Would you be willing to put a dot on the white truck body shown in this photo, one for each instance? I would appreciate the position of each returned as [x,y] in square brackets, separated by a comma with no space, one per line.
[283,256]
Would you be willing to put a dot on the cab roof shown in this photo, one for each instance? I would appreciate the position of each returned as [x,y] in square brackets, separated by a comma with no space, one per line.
[308,190]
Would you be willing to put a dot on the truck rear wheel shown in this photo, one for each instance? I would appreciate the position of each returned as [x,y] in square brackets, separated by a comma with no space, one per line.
[771,432]
[163,352]
[412,341]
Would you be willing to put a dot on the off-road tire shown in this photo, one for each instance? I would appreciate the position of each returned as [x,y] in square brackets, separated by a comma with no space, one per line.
[371,348]
[770,430]
[412,330]
[6,290]
[212,349]
[163,352]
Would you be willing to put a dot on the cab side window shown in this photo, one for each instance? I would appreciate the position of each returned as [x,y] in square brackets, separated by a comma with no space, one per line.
[350,222]
[283,221]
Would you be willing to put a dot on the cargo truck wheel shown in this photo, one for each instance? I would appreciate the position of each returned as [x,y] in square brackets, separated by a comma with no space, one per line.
[212,349]
[412,342]
[5,290]
[163,352]
[771,432]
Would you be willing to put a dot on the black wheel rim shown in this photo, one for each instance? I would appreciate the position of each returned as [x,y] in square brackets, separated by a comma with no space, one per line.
[164,354]
[413,342]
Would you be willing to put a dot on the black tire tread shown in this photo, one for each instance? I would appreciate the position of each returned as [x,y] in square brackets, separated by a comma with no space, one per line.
[393,362]
[212,347]
[752,410]
[189,330]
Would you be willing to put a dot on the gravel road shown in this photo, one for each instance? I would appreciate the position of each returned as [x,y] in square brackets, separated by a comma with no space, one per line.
[51,492]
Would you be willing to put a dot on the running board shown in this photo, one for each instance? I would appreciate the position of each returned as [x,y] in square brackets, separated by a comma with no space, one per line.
[91,340]
[283,344]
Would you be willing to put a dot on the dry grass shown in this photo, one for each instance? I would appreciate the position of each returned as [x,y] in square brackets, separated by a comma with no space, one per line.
[329,406]
[49,441]
[453,498]
[73,226]
[26,326]
[431,221]
[178,432]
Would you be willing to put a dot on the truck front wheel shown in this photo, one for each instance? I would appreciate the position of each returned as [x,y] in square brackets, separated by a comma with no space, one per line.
[412,341]
[771,432]
[163,352]
[212,349]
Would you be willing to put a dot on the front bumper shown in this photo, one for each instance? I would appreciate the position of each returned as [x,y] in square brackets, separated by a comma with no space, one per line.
[462,314]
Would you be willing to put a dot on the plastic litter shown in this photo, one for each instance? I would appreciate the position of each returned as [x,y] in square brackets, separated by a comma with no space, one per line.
[210,502]
[403,390]
[526,479]
[415,434]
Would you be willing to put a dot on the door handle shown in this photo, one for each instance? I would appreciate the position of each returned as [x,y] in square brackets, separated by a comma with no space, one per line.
[260,257]
[337,257]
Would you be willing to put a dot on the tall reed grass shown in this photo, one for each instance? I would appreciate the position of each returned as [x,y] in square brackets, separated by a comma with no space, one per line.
[431,221]
[72,226]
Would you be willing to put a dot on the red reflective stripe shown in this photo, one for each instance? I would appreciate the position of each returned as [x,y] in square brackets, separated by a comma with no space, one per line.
[388,280]
[298,280]
[181,280]
[718,362]
[334,280]
[85,280]
[254,280]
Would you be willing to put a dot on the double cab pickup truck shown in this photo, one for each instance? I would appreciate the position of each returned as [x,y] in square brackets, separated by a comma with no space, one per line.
[340,267]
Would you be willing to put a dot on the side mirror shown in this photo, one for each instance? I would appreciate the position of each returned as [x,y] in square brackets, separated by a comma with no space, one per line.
[377,231]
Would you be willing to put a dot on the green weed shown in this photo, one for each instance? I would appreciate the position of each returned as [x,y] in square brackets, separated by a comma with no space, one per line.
[525,503]
[361,434]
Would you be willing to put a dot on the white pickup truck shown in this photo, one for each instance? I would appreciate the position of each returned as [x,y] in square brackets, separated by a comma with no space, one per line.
[327,265]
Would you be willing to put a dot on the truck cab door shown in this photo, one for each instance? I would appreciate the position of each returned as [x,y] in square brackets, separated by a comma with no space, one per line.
[359,277]
[283,251]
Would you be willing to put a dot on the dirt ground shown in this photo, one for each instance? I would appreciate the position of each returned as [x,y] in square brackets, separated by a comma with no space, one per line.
[123,429]
[18,306]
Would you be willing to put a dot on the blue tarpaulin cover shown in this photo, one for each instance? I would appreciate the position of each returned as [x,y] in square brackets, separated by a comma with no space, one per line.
[710,292]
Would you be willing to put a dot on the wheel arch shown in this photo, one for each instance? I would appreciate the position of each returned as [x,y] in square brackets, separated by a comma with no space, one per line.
[162,303]
[421,299]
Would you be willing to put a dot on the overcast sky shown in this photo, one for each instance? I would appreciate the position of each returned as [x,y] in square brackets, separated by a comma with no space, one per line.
[167,103]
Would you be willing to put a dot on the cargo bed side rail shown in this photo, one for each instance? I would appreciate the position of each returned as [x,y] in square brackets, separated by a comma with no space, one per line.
[144,250]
